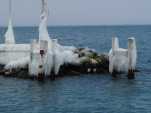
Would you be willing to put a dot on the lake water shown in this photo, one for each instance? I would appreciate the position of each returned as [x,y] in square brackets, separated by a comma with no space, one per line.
[86,93]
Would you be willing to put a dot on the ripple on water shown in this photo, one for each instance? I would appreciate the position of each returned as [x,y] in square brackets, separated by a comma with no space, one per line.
[85,93]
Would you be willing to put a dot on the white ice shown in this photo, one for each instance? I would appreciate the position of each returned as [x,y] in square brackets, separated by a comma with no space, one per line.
[9,35]
[20,55]
[120,59]
[20,63]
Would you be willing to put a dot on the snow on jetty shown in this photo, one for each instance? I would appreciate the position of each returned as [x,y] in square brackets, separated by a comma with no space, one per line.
[47,58]
[123,60]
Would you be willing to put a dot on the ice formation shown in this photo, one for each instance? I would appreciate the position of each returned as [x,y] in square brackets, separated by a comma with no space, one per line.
[46,55]
[43,32]
[54,55]
[132,53]
[122,60]
[9,35]
[40,57]
[62,55]
[35,60]
[13,52]
[20,63]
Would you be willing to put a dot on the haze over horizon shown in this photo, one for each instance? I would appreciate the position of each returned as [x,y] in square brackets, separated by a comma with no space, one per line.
[78,12]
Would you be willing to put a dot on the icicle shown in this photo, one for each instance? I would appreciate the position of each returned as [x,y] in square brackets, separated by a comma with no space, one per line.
[35,59]
[57,57]
[43,32]
[62,55]
[9,35]
[48,64]
[46,57]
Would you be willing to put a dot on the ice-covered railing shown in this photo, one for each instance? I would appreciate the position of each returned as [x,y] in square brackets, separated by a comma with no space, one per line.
[18,63]
[13,52]
[122,60]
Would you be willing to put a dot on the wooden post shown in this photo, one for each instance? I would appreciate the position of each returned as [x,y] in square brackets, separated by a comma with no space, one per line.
[114,74]
[52,77]
[115,46]
[41,75]
[131,74]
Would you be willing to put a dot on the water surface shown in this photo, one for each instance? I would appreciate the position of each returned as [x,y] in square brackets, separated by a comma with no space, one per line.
[85,93]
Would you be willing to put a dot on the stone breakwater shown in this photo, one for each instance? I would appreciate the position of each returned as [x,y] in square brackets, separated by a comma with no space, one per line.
[90,62]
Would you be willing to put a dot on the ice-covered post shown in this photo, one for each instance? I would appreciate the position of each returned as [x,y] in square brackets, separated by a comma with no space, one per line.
[132,57]
[42,52]
[115,43]
[56,61]
[43,47]
[43,32]
[9,35]
[32,68]
[35,60]
[115,46]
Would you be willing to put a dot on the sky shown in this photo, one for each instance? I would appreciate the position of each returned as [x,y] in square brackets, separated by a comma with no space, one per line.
[79,12]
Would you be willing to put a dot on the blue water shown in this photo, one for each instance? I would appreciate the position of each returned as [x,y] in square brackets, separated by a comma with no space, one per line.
[85,93]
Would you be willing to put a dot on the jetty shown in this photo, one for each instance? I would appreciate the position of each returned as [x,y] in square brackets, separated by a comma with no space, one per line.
[123,60]
[46,58]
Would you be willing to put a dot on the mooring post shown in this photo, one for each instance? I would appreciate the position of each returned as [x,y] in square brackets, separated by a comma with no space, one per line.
[40,77]
[52,77]
[114,74]
[88,70]
[115,43]
[115,46]
[131,74]
[132,56]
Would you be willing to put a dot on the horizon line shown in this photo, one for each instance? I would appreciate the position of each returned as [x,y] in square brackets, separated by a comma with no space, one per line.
[80,25]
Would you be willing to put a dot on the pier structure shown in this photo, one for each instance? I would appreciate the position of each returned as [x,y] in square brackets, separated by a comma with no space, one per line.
[42,57]
[9,50]
[45,57]
[123,60]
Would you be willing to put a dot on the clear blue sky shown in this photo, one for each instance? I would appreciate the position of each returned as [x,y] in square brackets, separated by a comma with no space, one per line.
[79,12]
